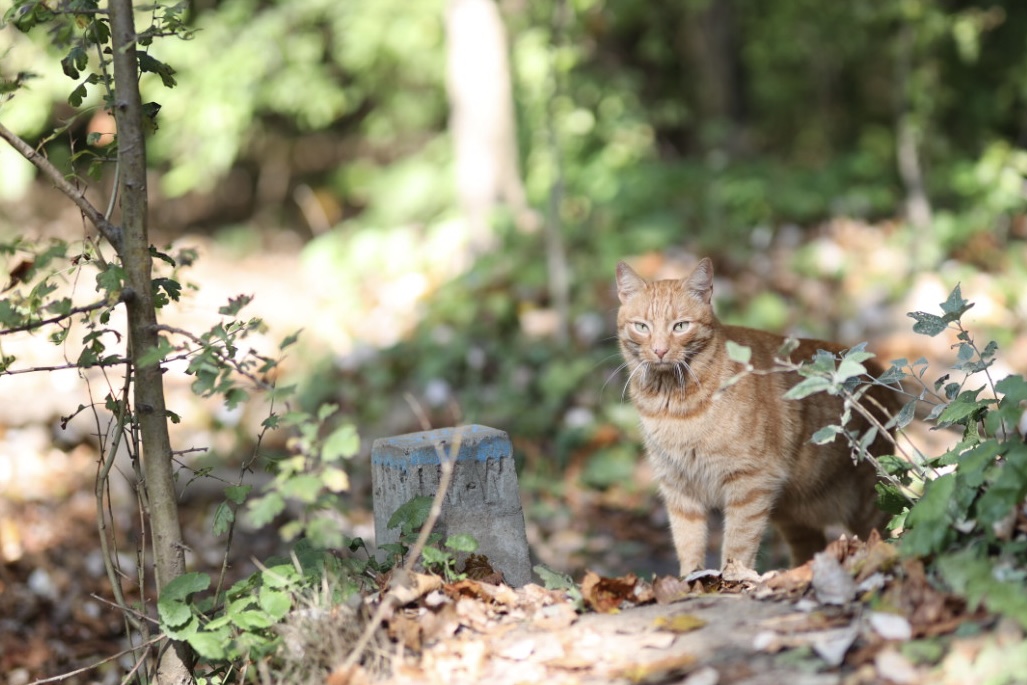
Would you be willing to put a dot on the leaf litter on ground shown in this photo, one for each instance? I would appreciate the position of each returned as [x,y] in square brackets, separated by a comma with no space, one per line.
[856,613]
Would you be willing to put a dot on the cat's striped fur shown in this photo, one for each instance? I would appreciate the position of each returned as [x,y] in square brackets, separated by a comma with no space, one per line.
[745,450]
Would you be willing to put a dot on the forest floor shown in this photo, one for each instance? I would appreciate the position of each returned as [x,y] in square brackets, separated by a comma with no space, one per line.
[807,625]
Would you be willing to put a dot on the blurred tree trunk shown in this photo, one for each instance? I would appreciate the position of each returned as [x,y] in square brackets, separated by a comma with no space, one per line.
[711,44]
[908,129]
[174,661]
[482,119]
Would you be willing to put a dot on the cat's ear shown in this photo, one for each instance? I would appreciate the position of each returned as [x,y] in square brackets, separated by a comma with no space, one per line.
[700,283]
[628,282]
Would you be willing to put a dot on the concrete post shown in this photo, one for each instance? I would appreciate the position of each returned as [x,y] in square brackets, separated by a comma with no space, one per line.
[482,500]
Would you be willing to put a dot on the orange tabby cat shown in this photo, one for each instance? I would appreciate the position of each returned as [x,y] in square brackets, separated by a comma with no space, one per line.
[745,450]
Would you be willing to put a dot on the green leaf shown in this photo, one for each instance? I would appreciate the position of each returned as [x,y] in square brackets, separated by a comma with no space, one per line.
[905,415]
[893,374]
[252,619]
[412,514]
[807,387]
[179,589]
[961,407]
[77,95]
[928,324]
[929,521]
[343,442]
[172,606]
[434,557]
[955,305]
[304,486]
[224,517]
[849,368]
[290,340]
[210,645]
[336,480]
[738,353]
[263,510]
[148,63]
[462,542]
[324,533]
[890,499]
[237,493]
[235,305]
[75,61]
[554,580]
[826,434]
[275,602]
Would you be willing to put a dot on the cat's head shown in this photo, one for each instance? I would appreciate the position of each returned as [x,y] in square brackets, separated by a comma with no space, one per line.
[663,324]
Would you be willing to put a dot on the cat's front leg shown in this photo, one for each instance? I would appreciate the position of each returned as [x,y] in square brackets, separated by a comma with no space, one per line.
[745,519]
[688,527]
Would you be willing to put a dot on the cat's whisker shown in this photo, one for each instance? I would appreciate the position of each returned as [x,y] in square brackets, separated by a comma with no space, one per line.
[691,373]
[640,367]
[612,375]
[678,372]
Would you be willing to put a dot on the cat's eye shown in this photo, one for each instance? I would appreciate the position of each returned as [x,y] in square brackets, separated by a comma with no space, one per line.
[681,326]
[641,327]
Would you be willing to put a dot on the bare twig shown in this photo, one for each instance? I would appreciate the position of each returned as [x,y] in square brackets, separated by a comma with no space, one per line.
[84,669]
[390,602]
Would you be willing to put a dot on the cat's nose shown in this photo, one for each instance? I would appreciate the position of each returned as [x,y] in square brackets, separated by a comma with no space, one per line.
[660,353]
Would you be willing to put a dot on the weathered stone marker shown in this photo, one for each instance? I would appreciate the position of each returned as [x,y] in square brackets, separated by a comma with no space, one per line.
[482,500]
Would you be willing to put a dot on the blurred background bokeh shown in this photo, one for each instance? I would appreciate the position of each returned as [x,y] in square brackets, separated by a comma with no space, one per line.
[437,193]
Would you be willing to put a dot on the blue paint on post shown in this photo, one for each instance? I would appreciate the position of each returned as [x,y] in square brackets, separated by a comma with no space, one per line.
[477,443]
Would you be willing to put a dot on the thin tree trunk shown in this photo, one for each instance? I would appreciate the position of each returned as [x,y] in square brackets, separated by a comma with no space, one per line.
[907,150]
[174,664]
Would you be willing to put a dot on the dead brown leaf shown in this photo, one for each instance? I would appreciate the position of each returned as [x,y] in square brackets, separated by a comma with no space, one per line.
[658,670]
[679,623]
[670,589]
[607,595]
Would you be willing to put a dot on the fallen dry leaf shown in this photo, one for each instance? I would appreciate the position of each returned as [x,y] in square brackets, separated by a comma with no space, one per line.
[679,623]
[658,670]
[669,589]
[607,595]
[408,587]
[831,583]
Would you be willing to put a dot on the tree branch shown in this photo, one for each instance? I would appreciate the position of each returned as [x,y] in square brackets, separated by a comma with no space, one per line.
[55,319]
[108,230]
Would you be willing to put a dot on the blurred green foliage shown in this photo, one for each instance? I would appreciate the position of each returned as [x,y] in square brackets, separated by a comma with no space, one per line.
[683,124]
